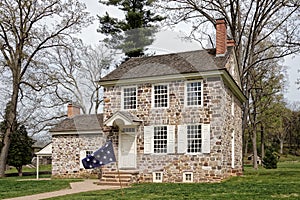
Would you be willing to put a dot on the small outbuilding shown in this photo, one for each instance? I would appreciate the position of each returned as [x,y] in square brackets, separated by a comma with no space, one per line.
[46,151]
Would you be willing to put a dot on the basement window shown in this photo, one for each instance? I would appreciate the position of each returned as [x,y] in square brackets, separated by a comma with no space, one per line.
[187,177]
[157,177]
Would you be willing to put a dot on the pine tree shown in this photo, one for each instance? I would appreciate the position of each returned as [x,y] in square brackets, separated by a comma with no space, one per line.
[20,150]
[270,160]
[135,32]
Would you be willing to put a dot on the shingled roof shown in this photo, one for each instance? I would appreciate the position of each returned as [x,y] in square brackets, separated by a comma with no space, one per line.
[169,64]
[80,123]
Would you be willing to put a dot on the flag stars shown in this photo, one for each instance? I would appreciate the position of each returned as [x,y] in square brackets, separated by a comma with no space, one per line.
[102,156]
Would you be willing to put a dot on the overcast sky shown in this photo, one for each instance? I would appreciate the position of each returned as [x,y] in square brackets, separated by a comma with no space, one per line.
[169,42]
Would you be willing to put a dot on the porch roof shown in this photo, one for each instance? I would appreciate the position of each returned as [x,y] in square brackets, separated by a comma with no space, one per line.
[124,117]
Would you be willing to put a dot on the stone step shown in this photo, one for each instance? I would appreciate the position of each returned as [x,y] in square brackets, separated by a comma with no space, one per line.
[115,179]
[117,175]
[131,172]
[113,183]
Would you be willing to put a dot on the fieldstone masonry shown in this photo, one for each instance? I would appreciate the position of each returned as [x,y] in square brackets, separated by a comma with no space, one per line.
[216,110]
[66,154]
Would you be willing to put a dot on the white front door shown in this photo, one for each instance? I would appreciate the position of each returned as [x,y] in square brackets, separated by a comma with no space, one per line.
[127,151]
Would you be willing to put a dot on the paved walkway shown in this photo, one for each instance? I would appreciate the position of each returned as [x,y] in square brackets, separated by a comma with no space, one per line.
[76,187]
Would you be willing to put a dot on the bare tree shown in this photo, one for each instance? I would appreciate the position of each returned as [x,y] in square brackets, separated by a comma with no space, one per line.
[28,29]
[257,27]
[77,70]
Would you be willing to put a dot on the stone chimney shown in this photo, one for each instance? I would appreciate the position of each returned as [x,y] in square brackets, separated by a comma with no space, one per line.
[73,110]
[221,37]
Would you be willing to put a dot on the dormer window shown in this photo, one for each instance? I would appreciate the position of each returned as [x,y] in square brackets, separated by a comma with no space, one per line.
[194,93]
[129,99]
[160,96]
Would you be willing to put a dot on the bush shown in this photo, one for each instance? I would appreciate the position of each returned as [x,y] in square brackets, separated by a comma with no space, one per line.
[270,160]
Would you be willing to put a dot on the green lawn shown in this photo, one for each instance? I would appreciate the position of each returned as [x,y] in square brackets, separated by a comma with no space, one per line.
[281,183]
[27,169]
[19,186]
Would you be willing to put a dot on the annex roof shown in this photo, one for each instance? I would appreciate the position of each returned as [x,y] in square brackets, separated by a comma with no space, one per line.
[93,122]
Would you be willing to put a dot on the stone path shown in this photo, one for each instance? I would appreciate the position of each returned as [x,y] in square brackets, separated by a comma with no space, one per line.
[76,187]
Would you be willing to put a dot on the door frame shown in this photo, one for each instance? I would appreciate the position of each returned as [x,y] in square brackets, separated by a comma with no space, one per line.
[132,134]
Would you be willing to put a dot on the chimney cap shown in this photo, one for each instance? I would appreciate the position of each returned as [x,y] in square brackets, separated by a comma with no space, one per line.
[221,20]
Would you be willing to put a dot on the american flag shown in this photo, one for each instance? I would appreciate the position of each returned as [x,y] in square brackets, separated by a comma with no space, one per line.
[102,156]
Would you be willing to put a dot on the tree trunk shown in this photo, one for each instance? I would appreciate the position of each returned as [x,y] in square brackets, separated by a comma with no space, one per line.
[254,149]
[262,140]
[281,146]
[20,171]
[10,119]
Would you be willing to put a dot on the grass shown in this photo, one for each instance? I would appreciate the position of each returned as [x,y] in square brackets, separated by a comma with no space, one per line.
[22,186]
[28,169]
[281,183]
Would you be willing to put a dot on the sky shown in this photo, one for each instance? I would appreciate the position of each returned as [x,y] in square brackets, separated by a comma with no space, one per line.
[169,41]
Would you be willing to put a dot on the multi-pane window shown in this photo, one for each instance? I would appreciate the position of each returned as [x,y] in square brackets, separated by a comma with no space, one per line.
[160,139]
[194,139]
[157,177]
[188,177]
[160,96]
[129,98]
[87,153]
[129,130]
[193,94]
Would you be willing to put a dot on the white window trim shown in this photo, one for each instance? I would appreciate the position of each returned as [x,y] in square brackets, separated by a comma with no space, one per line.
[122,97]
[183,143]
[149,139]
[184,177]
[196,153]
[167,140]
[232,149]
[157,180]
[152,96]
[232,105]
[185,93]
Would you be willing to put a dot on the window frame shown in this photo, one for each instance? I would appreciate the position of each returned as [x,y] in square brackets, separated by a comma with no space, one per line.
[187,139]
[153,95]
[182,139]
[165,149]
[123,97]
[154,177]
[186,93]
[184,177]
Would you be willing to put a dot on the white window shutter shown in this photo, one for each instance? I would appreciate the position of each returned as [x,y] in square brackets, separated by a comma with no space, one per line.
[182,139]
[82,155]
[171,139]
[205,138]
[148,139]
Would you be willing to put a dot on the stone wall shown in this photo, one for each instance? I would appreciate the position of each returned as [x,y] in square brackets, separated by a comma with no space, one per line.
[66,154]
[216,111]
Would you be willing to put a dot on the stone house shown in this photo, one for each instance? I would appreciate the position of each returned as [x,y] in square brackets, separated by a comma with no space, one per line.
[172,118]
[72,140]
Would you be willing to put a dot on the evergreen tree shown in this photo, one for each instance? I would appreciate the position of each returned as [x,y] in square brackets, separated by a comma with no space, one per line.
[20,150]
[270,160]
[135,32]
